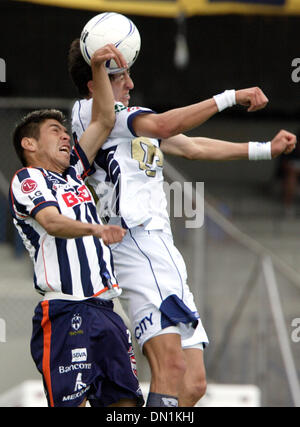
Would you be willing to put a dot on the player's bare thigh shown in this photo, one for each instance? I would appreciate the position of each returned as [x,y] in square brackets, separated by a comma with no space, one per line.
[121,403]
[167,363]
[193,386]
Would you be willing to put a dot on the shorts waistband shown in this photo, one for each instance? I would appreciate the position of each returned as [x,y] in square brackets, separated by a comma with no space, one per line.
[60,295]
[49,296]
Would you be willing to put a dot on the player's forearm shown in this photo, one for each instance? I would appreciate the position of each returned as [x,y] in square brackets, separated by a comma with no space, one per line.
[70,229]
[183,119]
[180,120]
[58,225]
[103,115]
[103,100]
[199,148]
[218,150]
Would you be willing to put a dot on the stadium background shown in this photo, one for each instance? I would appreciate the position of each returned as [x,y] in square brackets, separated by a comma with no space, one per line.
[230,45]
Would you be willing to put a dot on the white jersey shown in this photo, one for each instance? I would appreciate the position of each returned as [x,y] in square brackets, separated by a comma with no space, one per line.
[128,178]
[80,267]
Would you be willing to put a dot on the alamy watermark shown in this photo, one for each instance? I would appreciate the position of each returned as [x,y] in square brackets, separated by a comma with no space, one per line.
[295,336]
[2,71]
[2,330]
[183,201]
[186,202]
[296,71]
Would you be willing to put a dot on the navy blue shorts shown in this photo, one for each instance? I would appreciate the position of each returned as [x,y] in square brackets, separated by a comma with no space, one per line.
[83,350]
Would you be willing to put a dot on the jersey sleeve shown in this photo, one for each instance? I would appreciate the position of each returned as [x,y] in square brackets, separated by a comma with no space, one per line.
[79,161]
[29,193]
[82,113]
[81,117]
[124,118]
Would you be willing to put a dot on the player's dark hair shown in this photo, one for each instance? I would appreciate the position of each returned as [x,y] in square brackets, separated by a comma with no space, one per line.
[29,126]
[80,71]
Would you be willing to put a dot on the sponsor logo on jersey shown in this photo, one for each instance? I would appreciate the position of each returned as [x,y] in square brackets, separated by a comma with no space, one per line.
[131,109]
[28,186]
[53,179]
[119,107]
[74,367]
[143,326]
[63,186]
[76,322]
[169,401]
[82,195]
[79,355]
[79,389]
[79,384]
[132,360]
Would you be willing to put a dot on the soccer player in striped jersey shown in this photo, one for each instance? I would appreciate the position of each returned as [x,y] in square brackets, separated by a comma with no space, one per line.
[79,344]
[128,179]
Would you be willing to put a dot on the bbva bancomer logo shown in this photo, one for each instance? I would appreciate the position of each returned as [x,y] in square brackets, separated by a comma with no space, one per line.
[2,70]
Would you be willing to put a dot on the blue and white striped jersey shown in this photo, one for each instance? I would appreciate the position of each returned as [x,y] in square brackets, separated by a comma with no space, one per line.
[81,267]
[128,177]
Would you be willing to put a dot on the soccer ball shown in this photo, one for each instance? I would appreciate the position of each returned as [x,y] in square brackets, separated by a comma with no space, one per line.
[113,28]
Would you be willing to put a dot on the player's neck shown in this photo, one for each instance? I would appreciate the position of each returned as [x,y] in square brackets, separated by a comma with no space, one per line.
[47,166]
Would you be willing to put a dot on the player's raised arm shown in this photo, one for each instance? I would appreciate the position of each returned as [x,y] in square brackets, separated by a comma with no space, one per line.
[178,120]
[103,116]
[199,148]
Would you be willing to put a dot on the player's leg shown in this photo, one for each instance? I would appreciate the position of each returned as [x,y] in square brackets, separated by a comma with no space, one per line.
[193,386]
[53,347]
[124,403]
[152,274]
[117,382]
[167,364]
[83,403]
[121,403]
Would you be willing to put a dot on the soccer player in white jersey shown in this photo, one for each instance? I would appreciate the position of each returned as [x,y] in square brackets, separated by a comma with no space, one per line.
[79,344]
[128,179]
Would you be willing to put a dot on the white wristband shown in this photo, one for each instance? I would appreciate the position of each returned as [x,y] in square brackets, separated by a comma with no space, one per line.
[225,99]
[259,151]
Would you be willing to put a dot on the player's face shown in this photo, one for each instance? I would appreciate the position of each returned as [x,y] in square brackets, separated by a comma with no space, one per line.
[54,146]
[121,85]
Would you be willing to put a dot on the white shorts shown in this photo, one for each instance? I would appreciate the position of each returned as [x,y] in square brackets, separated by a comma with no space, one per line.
[155,295]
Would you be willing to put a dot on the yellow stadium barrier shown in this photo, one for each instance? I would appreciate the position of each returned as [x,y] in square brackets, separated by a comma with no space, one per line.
[171,9]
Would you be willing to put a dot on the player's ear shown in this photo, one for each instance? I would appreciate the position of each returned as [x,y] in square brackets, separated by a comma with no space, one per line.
[28,144]
[90,86]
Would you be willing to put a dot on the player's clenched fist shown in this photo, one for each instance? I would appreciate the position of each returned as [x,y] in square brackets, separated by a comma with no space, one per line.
[253,98]
[110,233]
[283,142]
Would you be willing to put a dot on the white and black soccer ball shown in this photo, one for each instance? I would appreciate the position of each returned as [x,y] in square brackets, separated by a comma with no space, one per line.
[113,28]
